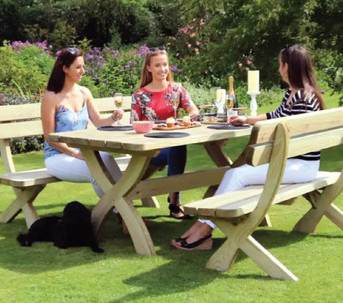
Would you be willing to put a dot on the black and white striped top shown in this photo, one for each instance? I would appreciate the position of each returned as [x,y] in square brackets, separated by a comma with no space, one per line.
[297,106]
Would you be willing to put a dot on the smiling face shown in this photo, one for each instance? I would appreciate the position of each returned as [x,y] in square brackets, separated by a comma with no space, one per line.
[76,70]
[159,67]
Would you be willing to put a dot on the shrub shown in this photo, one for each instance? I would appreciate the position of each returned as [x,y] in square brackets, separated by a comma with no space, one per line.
[24,66]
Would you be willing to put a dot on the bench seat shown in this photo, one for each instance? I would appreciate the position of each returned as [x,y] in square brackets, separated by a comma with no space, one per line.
[27,178]
[41,176]
[238,203]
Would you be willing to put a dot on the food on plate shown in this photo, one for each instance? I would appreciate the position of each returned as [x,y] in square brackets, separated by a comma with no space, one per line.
[170,122]
[195,123]
[186,121]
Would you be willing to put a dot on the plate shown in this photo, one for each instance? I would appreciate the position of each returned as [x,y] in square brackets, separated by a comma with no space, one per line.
[116,128]
[225,127]
[165,128]
[166,135]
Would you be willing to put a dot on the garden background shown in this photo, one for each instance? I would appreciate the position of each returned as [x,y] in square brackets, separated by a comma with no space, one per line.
[207,41]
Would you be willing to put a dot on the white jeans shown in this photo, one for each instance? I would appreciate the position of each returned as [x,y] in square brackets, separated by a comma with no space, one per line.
[71,169]
[296,171]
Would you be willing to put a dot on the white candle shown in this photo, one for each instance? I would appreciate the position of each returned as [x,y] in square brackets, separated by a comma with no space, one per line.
[220,94]
[253,81]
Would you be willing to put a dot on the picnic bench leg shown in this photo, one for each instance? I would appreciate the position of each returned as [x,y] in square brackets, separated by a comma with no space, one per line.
[322,206]
[239,235]
[114,194]
[239,238]
[266,260]
[23,202]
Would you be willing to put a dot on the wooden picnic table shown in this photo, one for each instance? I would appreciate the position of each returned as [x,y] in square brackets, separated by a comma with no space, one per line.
[132,184]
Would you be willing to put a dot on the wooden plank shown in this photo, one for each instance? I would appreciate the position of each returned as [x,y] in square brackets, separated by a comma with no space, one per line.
[19,112]
[32,110]
[238,203]
[107,104]
[159,186]
[259,154]
[21,129]
[264,131]
[6,156]
[27,178]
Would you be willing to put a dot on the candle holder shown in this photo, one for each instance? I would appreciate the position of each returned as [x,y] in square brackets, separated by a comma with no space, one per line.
[253,103]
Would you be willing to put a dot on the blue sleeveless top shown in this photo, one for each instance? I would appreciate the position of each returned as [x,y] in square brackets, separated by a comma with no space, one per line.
[67,120]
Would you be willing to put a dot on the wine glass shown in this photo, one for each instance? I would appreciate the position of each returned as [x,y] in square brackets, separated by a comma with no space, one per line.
[229,103]
[118,102]
[175,102]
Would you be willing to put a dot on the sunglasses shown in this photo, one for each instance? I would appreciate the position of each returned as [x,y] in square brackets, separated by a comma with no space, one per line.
[153,49]
[73,50]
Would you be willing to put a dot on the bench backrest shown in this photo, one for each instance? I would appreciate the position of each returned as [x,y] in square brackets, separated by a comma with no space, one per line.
[24,120]
[276,140]
[308,132]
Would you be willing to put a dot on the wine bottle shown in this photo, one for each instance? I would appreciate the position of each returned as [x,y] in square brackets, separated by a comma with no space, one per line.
[232,92]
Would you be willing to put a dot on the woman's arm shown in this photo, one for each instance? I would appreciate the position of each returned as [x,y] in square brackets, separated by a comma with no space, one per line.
[48,111]
[193,112]
[94,114]
[240,120]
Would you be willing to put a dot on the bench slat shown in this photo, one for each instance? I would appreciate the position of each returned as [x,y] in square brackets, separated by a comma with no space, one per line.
[238,203]
[264,131]
[258,154]
[28,178]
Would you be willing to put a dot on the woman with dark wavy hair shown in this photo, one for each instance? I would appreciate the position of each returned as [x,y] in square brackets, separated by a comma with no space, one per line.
[67,106]
[302,96]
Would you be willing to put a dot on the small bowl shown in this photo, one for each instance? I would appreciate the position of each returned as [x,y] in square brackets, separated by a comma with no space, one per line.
[143,127]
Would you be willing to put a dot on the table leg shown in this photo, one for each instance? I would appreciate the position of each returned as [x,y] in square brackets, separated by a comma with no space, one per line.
[115,196]
[219,157]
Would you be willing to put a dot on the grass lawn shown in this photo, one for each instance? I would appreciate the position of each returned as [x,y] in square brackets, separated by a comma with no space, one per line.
[44,273]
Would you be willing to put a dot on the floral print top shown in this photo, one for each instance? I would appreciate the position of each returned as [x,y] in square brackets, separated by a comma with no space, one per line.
[147,105]
[67,120]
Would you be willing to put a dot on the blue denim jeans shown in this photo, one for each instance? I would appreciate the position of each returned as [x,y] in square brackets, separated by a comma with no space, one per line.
[174,157]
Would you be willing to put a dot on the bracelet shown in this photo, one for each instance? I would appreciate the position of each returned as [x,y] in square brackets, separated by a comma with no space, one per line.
[112,118]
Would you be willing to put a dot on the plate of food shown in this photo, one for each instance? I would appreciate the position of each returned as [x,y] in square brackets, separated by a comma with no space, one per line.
[172,124]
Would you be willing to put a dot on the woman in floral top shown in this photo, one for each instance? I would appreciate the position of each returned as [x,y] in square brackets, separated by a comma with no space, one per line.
[67,106]
[152,101]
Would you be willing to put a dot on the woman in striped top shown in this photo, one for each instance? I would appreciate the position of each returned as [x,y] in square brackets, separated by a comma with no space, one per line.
[303,96]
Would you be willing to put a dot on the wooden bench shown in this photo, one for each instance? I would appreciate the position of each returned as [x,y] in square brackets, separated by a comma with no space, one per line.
[239,213]
[24,121]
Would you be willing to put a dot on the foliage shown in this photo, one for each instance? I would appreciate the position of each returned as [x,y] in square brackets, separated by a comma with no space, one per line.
[24,67]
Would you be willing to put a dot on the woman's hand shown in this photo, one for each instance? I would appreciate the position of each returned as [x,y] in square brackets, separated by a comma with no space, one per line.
[237,120]
[117,115]
[193,115]
[78,154]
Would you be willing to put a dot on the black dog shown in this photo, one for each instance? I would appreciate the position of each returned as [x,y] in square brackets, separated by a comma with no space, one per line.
[73,229]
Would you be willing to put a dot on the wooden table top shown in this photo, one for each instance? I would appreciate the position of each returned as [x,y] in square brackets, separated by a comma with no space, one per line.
[131,141]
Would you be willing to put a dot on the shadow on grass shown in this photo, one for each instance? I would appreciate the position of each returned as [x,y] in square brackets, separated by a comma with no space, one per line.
[184,266]
[44,257]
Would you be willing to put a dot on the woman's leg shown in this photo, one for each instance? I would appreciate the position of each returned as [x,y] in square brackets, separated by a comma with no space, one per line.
[296,171]
[175,158]
[71,169]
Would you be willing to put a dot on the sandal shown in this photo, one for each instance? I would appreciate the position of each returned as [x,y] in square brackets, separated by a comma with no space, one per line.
[175,210]
[204,243]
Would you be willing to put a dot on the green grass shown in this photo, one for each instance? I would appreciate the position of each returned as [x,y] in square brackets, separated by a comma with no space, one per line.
[44,273]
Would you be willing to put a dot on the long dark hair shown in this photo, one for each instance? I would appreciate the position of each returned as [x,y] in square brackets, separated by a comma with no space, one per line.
[65,58]
[300,71]
[146,76]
